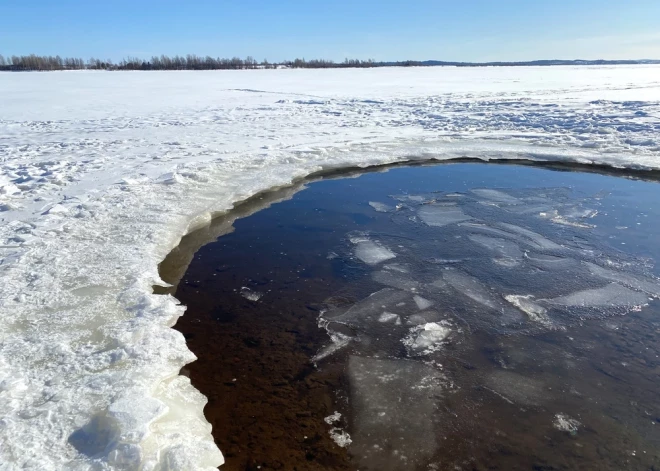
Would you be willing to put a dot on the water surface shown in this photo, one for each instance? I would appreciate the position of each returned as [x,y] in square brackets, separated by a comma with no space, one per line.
[456,316]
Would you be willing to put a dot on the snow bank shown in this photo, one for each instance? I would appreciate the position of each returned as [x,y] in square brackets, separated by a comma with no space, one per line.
[102,173]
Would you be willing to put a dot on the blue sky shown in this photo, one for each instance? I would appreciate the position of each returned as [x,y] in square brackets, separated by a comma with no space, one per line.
[470,30]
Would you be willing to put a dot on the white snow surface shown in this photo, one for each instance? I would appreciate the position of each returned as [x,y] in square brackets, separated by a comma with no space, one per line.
[102,173]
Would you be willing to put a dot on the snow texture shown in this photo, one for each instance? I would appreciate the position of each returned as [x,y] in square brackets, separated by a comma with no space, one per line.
[103,173]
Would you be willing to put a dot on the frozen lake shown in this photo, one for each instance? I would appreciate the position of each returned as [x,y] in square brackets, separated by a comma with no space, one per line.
[454,316]
[102,173]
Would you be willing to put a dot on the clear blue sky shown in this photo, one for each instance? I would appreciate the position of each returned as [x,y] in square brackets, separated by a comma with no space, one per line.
[470,30]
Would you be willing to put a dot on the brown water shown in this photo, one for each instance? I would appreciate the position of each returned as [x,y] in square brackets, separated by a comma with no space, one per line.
[440,369]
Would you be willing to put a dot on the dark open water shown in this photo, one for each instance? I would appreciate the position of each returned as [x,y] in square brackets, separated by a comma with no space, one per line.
[473,316]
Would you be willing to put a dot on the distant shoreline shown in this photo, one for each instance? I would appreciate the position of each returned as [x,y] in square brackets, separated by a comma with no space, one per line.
[34,63]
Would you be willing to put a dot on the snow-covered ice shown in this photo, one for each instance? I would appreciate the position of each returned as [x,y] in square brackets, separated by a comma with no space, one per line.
[103,173]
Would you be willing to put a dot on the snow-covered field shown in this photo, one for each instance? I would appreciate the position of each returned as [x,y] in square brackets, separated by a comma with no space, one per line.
[102,173]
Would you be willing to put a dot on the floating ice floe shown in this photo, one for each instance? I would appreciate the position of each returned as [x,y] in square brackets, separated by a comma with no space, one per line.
[648,285]
[371,308]
[517,389]
[340,437]
[526,304]
[381,207]
[556,217]
[550,262]
[496,196]
[397,267]
[372,253]
[426,338]
[422,303]
[423,318]
[478,292]
[532,238]
[339,341]
[442,215]
[389,317]
[396,279]
[613,296]
[394,404]
[509,252]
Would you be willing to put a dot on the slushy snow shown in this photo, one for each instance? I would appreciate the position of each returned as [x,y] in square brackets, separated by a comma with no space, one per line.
[103,173]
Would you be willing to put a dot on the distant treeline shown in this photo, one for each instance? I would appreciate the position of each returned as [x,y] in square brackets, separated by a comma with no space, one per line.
[189,62]
[33,62]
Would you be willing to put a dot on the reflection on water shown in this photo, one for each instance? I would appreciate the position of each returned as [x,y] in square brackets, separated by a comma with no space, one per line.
[471,317]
